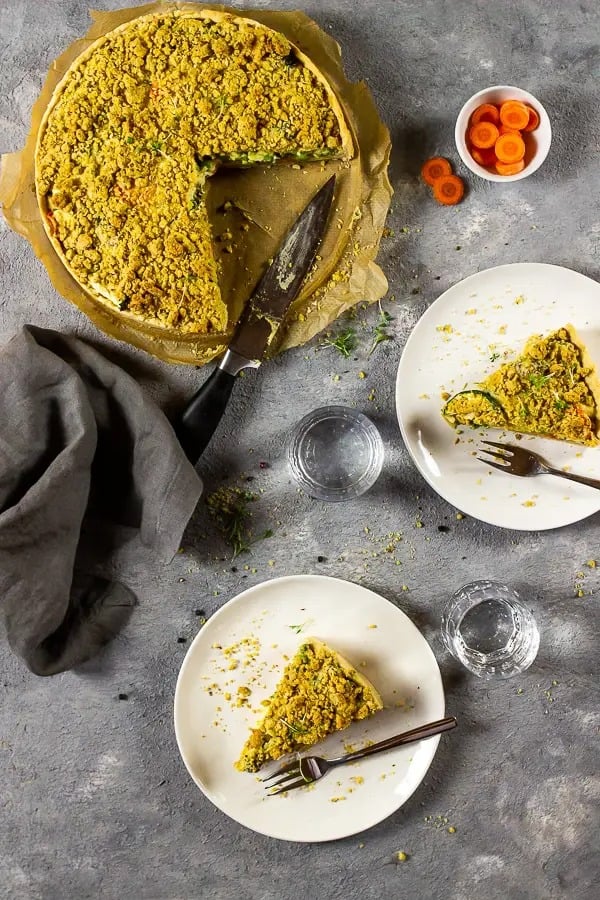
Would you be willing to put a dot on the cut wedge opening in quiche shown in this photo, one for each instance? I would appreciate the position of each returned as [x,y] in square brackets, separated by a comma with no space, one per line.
[320,693]
[550,390]
[135,129]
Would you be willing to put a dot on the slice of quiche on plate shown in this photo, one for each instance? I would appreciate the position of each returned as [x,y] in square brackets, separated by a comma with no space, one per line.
[319,693]
[551,389]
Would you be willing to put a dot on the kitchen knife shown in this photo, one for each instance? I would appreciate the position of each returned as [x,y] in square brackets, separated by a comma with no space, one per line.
[259,323]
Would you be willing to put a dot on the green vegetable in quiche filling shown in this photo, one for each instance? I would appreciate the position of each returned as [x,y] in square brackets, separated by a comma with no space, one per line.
[475,408]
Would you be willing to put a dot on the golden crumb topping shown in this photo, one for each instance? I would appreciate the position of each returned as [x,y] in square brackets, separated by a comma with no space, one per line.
[140,123]
[318,694]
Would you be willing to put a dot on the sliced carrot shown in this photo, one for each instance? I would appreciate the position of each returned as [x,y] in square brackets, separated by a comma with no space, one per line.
[510,168]
[448,190]
[484,157]
[483,135]
[504,129]
[434,168]
[510,148]
[487,112]
[514,114]
[534,119]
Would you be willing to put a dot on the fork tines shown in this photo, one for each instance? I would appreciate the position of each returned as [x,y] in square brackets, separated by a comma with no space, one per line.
[503,458]
[300,782]
[503,467]
[292,769]
[506,448]
[288,777]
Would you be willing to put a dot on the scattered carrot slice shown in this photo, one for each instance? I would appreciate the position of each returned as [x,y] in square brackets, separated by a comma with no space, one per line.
[510,148]
[487,112]
[484,157]
[510,168]
[483,135]
[448,189]
[534,119]
[514,114]
[434,168]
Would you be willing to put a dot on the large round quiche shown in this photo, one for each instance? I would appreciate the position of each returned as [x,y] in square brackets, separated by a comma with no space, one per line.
[135,128]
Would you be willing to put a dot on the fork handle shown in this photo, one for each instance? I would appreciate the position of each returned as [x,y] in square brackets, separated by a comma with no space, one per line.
[407,737]
[580,479]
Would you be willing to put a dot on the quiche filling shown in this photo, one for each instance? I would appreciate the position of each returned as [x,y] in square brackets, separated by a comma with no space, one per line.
[319,693]
[550,390]
[137,126]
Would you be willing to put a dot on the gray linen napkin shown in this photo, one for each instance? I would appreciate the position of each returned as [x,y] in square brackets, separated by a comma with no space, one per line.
[93,484]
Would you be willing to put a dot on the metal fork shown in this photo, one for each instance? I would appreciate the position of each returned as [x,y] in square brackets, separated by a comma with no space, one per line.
[309,769]
[518,461]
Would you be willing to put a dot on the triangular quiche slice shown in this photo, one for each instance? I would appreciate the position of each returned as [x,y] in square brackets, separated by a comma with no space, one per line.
[550,390]
[320,693]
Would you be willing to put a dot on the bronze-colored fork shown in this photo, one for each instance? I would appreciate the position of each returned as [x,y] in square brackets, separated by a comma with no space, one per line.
[310,768]
[518,461]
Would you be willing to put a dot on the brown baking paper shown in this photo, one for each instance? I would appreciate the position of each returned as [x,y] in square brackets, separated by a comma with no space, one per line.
[268,199]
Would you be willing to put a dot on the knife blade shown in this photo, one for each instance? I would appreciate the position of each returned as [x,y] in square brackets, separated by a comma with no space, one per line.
[259,323]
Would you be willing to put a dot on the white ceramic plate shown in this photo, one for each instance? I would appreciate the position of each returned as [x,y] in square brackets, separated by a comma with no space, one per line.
[211,730]
[454,345]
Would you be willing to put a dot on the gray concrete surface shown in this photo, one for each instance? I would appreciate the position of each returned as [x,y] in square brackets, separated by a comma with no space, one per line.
[94,800]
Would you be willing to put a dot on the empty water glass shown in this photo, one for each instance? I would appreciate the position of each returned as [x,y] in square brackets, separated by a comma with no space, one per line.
[335,453]
[489,630]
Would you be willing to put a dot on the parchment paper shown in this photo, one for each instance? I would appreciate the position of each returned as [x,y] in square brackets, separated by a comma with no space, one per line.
[267,199]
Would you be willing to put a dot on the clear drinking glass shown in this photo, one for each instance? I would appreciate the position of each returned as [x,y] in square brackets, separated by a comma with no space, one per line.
[335,453]
[489,630]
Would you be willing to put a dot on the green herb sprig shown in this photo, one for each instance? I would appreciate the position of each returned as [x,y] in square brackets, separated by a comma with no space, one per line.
[293,728]
[228,506]
[380,332]
[344,342]
[538,381]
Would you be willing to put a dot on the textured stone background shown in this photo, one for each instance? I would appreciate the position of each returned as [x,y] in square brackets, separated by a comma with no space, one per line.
[94,800]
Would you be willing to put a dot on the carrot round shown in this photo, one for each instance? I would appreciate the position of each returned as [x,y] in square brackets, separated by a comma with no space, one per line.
[514,114]
[487,112]
[434,168]
[510,168]
[510,147]
[534,119]
[484,157]
[484,135]
[448,189]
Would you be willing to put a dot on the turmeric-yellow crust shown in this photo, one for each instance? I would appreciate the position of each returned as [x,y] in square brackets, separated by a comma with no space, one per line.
[319,693]
[132,133]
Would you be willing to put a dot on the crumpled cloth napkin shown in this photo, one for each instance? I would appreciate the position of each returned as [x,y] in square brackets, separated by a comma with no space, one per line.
[93,485]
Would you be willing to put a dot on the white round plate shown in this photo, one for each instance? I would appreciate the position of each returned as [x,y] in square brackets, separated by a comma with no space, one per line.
[459,340]
[275,617]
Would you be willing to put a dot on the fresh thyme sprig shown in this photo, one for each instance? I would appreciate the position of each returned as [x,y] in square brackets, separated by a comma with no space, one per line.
[380,332]
[295,729]
[229,508]
[344,342]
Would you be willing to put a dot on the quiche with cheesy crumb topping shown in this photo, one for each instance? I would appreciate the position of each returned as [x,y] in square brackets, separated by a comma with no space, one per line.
[134,130]
[551,390]
[320,693]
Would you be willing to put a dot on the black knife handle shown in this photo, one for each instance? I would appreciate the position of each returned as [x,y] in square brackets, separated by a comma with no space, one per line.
[201,416]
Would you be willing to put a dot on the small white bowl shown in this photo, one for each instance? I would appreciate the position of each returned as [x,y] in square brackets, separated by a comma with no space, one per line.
[537,142]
